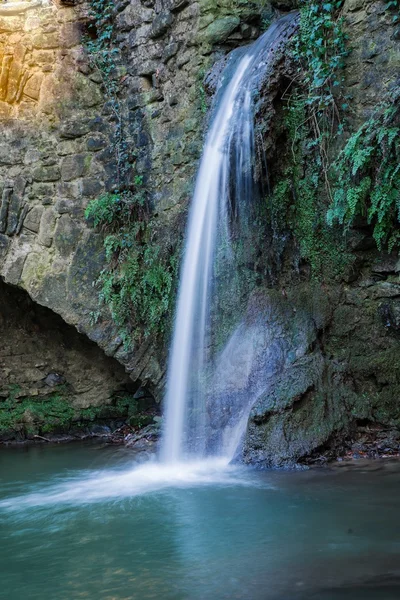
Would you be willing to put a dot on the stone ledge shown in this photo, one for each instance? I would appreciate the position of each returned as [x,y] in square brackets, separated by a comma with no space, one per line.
[16,8]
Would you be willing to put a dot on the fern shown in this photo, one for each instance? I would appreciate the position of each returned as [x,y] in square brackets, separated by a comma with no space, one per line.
[368,176]
[137,283]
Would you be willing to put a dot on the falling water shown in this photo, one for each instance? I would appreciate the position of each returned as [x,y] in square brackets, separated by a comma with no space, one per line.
[224,186]
[224,191]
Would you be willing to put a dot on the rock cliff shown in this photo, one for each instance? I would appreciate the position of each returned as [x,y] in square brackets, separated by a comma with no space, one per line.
[63,142]
[62,146]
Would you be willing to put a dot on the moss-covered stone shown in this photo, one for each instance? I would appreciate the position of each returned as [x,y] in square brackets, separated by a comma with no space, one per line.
[38,416]
[220,29]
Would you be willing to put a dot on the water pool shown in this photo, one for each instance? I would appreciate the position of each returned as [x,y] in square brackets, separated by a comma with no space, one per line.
[85,521]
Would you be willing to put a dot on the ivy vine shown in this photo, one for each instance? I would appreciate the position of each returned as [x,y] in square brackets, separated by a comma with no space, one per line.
[311,120]
[394,6]
[364,181]
[104,58]
[319,51]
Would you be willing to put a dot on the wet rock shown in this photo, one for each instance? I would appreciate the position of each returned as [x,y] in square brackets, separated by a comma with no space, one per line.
[386,264]
[100,430]
[353,5]
[144,439]
[285,4]
[73,166]
[32,220]
[220,29]
[4,244]
[390,315]
[46,174]
[74,128]
[170,51]
[54,379]
[66,235]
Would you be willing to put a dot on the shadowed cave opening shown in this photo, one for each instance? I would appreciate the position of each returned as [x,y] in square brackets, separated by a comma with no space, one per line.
[55,381]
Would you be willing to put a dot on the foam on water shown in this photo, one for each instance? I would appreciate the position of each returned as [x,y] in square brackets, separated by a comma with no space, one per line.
[87,487]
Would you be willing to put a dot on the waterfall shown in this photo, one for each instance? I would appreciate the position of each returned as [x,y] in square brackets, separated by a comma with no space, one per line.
[224,187]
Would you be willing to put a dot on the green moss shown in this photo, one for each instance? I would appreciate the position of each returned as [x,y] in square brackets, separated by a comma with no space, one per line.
[137,283]
[34,415]
[55,414]
[301,190]
[124,407]
[298,199]
[202,96]
[384,365]
[394,7]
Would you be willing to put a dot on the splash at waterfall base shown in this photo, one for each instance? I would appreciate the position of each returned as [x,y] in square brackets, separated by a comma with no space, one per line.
[305,372]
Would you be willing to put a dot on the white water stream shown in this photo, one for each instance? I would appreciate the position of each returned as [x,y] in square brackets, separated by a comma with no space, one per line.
[188,347]
[227,162]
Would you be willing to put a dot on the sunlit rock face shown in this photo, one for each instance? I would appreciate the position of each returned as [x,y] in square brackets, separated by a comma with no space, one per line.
[22,72]
[48,168]
[32,36]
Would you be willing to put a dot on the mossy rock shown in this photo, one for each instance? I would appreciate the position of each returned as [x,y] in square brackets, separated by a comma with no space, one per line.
[220,29]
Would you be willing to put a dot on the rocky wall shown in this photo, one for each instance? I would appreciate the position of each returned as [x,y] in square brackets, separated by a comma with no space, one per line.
[332,387]
[59,151]
[53,379]
[59,141]
[48,166]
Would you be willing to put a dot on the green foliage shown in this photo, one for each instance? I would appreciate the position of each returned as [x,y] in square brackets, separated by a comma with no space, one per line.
[53,413]
[202,92]
[137,284]
[98,41]
[320,49]
[394,6]
[311,121]
[38,414]
[123,207]
[368,177]
[295,202]
[365,179]
[122,406]
[104,58]
[203,99]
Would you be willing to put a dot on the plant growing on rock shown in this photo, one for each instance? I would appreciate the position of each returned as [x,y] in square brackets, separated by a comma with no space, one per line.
[104,57]
[34,415]
[368,177]
[138,281]
[319,52]
[310,122]
[98,40]
[394,6]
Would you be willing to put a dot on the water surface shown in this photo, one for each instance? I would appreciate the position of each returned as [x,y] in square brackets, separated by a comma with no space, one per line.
[82,521]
